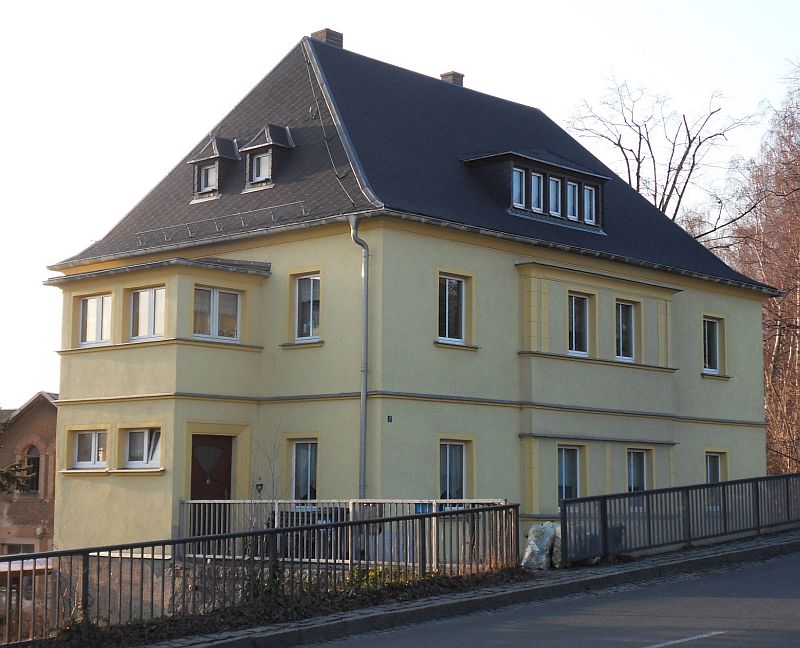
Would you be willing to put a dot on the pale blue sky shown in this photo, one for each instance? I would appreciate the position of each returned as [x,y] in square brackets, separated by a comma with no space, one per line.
[101,99]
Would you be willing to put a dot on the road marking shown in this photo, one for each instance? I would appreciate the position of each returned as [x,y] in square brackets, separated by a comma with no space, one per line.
[686,640]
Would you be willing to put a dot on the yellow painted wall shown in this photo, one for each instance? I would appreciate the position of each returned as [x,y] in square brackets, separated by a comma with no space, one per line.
[511,393]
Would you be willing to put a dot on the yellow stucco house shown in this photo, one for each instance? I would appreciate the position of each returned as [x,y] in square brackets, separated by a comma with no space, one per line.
[536,329]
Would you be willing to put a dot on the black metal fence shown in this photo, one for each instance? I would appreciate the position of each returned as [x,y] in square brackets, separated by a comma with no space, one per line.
[612,525]
[42,592]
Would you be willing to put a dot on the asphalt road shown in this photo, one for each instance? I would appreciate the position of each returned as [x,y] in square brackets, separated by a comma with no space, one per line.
[750,605]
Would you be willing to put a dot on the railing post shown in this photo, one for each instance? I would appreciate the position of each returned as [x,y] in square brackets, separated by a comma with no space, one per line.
[84,604]
[756,507]
[421,539]
[788,505]
[564,534]
[604,529]
[687,518]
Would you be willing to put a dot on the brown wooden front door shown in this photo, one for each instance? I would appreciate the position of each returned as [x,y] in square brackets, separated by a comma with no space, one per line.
[211,467]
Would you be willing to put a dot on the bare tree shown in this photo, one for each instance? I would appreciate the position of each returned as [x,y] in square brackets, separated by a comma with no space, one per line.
[662,153]
[766,246]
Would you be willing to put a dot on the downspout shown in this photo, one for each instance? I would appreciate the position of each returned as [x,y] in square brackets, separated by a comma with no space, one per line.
[362,446]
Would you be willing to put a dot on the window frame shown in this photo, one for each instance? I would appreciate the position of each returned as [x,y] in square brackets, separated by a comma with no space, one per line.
[589,205]
[34,486]
[155,460]
[203,184]
[311,443]
[518,174]
[103,319]
[462,303]
[445,470]
[263,161]
[717,346]
[719,456]
[152,319]
[96,462]
[554,195]
[563,450]
[643,455]
[537,207]
[213,333]
[572,214]
[314,331]
[631,331]
[573,330]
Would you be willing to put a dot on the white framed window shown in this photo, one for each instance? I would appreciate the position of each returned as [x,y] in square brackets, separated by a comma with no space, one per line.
[554,197]
[625,314]
[90,449]
[95,325]
[572,200]
[147,313]
[537,192]
[143,448]
[308,300]
[216,313]
[260,167]
[452,472]
[589,206]
[713,467]
[637,471]
[568,472]
[207,178]
[518,188]
[711,345]
[451,308]
[578,325]
[304,470]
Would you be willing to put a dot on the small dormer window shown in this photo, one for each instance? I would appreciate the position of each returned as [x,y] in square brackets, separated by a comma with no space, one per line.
[572,200]
[537,192]
[555,196]
[518,190]
[207,176]
[589,208]
[260,167]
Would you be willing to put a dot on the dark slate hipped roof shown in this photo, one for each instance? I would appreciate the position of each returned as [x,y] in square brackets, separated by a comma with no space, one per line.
[375,138]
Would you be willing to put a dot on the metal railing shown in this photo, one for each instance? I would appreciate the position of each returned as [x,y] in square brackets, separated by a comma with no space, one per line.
[205,517]
[606,526]
[118,584]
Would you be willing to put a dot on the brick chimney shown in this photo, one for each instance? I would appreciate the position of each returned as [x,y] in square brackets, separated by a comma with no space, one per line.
[330,37]
[456,78]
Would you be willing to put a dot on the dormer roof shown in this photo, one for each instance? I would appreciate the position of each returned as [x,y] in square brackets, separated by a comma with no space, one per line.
[217,148]
[270,135]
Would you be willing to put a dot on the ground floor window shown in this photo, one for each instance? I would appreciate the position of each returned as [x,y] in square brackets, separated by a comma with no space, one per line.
[90,449]
[568,472]
[452,476]
[637,471]
[304,472]
[142,448]
[713,467]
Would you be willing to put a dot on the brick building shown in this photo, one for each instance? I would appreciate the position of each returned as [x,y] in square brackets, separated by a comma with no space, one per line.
[29,436]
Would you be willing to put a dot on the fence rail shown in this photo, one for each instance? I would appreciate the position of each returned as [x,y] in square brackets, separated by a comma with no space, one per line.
[149,580]
[606,526]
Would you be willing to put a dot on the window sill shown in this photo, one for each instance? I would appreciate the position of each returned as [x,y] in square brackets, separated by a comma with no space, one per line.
[301,344]
[137,471]
[84,471]
[447,344]
[150,342]
[200,198]
[714,376]
[258,186]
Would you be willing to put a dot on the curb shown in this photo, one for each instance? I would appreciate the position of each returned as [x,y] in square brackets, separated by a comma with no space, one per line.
[320,629]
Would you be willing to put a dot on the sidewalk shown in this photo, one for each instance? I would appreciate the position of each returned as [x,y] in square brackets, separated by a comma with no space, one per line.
[547,584]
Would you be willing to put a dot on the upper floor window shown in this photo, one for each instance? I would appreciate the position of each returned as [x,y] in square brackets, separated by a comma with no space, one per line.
[572,201]
[555,196]
[95,326]
[578,324]
[142,448]
[216,313]
[518,189]
[537,192]
[711,345]
[451,308]
[260,167]
[32,460]
[713,467]
[452,475]
[589,206]
[304,470]
[307,318]
[625,330]
[147,313]
[90,449]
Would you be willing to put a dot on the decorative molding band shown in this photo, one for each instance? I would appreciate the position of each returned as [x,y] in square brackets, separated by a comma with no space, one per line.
[608,363]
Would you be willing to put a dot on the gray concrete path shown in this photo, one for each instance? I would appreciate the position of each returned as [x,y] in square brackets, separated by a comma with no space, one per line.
[547,584]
